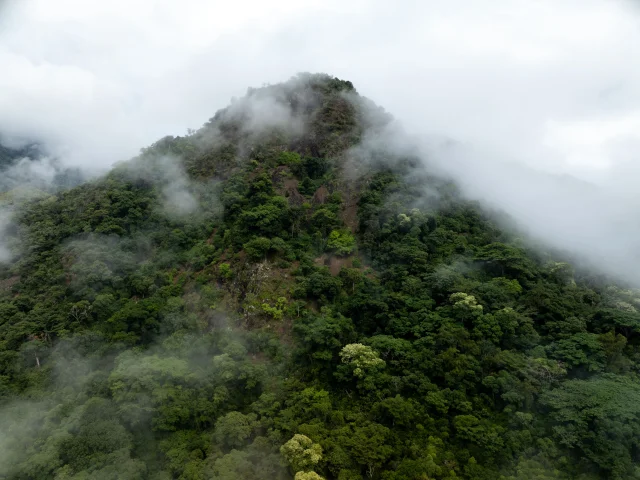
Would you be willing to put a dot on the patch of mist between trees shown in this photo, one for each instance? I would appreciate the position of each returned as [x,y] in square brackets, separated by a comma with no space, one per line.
[254,118]
[265,112]
[167,173]
[38,173]
[99,261]
[20,424]
[25,180]
[5,222]
[75,364]
[46,174]
[10,245]
[108,249]
[35,434]
[380,149]
[180,197]
[87,369]
[109,263]
[257,111]
[273,113]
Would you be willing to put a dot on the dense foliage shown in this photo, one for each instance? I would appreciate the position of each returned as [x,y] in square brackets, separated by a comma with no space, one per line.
[272,314]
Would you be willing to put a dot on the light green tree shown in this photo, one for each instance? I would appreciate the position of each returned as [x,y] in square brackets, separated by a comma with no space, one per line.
[341,241]
[362,357]
[465,306]
[301,453]
[308,476]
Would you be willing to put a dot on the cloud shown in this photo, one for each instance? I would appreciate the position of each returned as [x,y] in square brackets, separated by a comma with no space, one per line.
[595,223]
[522,76]
[24,179]
[167,174]
[38,173]
[97,85]
[5,222]
[553,86]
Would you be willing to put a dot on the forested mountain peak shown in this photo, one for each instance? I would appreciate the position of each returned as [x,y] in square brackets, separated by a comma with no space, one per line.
[313,115]
[281,294]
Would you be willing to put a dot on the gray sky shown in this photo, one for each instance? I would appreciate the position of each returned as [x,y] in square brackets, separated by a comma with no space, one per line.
[552,84]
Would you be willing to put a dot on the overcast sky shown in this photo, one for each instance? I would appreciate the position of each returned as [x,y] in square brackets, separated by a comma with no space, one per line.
[553,84]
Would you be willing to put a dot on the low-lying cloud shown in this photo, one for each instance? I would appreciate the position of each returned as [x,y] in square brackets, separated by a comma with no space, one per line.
[597,223]
[5,221]
[26,178]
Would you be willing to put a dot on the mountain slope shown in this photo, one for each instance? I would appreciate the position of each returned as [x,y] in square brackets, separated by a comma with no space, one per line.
[276,294]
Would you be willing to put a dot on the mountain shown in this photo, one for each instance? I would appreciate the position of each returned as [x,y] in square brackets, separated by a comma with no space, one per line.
[281,295]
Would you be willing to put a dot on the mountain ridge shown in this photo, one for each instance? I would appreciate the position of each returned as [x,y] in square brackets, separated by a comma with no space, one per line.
[280,294]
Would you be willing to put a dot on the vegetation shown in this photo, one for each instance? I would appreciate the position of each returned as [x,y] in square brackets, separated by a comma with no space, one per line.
[267,315]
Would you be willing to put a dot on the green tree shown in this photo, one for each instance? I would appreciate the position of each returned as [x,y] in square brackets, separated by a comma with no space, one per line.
[362,358]
[257,248]
[342,242]
[301,453]
[308,476]
[600,418]
[234,429]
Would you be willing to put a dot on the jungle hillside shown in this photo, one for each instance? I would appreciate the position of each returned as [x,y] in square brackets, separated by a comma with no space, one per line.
[281,295]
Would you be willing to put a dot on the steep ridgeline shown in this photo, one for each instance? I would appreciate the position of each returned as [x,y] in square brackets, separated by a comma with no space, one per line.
[277,296]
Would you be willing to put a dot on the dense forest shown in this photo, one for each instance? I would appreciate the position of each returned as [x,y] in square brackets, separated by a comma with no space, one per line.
[277,295]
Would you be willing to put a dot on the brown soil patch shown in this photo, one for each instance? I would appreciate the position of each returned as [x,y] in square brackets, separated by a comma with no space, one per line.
[349,212]
[350,215]
[290,190]
[285,331]
[334,263]
[321,196]
[291,184]
[295,198]
[278,174]
[9,282]
[213,234]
